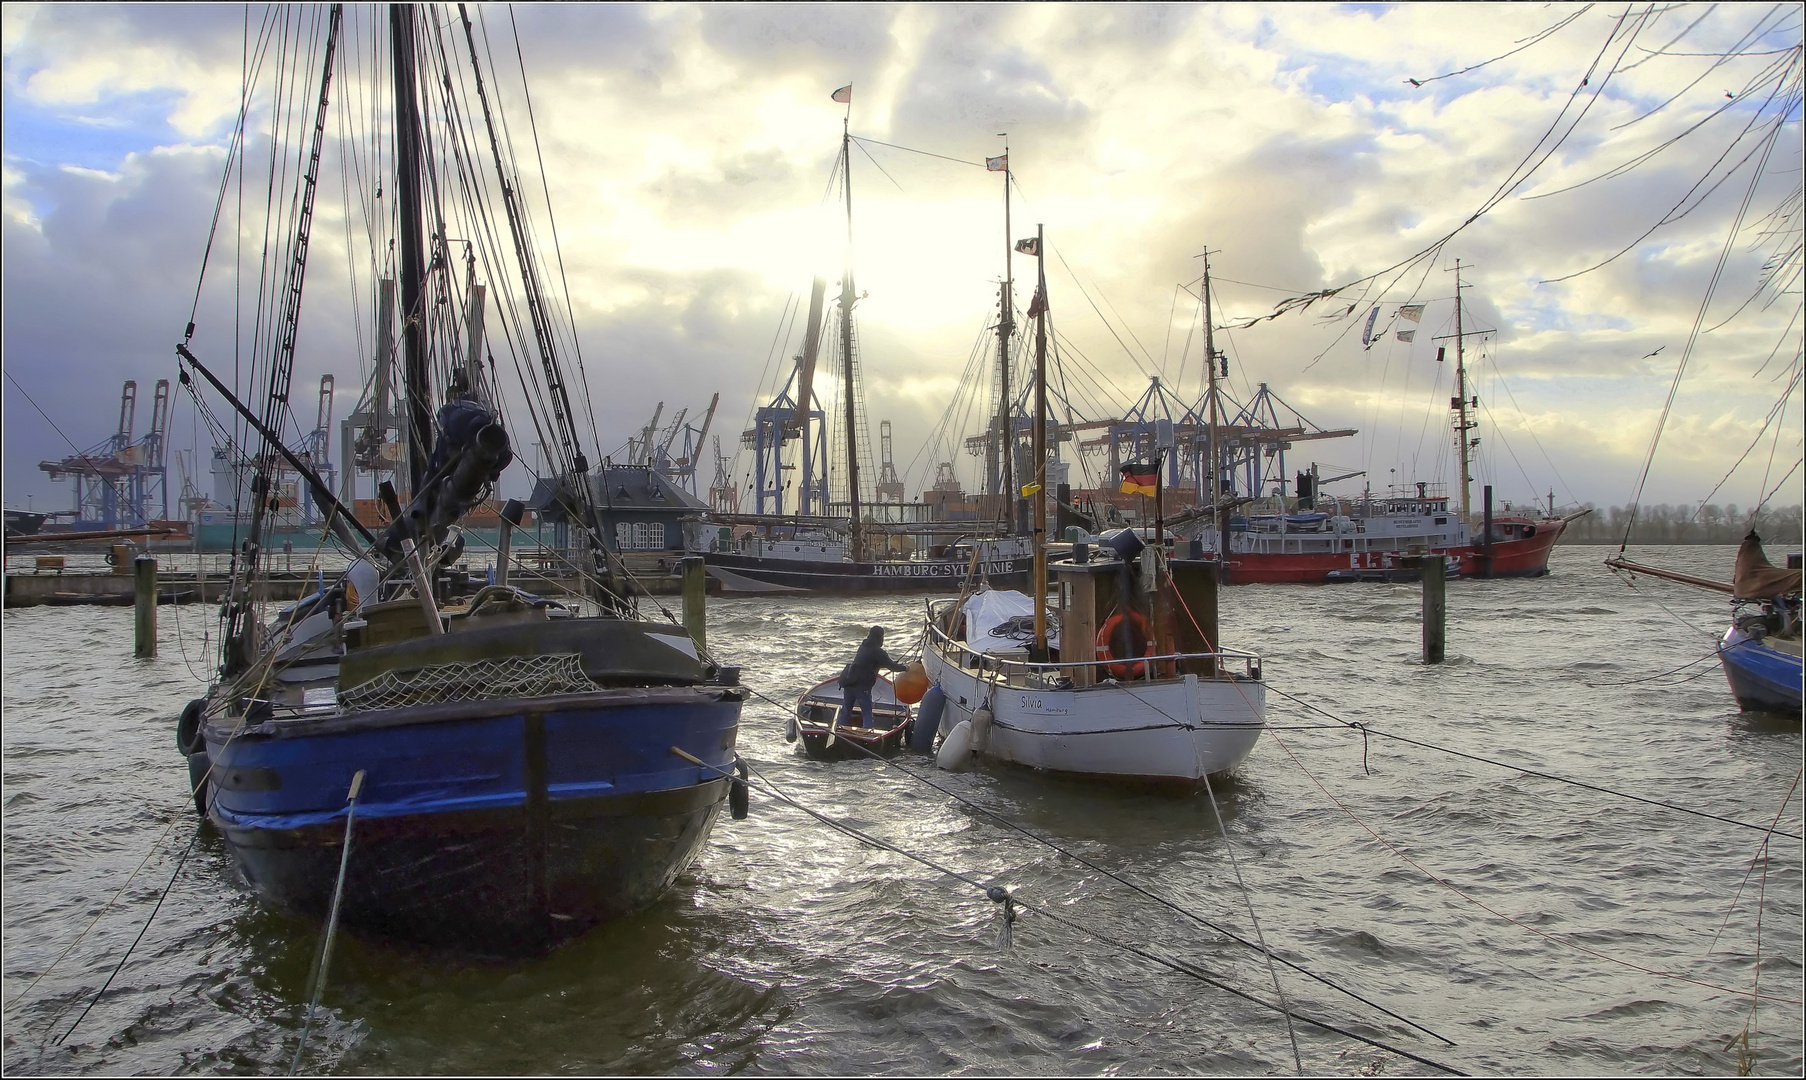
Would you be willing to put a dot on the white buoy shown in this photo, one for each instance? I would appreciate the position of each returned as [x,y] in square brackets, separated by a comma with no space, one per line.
[956,749]
[981,731]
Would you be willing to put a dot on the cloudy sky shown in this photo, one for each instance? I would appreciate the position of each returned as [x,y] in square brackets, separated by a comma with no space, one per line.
[687,151]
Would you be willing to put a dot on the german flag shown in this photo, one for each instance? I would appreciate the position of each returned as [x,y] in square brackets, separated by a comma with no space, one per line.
[1139,477]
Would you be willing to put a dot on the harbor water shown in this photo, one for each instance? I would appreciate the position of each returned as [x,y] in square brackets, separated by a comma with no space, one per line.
[1538,926]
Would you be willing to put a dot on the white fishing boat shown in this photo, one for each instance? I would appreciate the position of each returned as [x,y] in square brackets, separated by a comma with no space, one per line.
[1177,712]
[1132,684]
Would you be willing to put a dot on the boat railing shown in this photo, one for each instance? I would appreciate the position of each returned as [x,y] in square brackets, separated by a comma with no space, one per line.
[1034,672]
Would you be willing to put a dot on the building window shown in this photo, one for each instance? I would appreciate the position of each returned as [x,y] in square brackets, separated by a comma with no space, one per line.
[639,535]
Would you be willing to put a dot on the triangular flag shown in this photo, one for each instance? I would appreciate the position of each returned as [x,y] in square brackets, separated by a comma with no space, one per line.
[844,95]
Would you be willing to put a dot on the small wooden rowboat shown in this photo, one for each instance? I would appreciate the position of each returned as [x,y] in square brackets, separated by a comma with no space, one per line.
[817,709]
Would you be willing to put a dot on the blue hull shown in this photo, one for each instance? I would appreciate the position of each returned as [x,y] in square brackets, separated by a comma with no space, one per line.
[1762,679]
[500,825]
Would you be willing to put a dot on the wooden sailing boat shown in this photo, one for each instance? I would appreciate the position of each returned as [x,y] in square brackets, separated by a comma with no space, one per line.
[811,557]
[1134,686]
[520,769]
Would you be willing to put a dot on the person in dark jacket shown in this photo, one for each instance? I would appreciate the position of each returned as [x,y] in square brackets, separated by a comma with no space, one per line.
[858,678]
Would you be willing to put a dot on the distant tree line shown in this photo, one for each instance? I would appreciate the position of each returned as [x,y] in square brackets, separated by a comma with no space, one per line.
[1688,523]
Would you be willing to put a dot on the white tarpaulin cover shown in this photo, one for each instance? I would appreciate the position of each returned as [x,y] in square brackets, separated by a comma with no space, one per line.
[988,611]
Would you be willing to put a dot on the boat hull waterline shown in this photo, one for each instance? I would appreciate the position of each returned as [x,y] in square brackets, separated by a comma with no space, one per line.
[501,825]
[1168,730]
[1762,678]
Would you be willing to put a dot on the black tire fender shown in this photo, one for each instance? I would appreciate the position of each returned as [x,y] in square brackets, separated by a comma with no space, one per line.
[198,766]
[738,796]
[188,729]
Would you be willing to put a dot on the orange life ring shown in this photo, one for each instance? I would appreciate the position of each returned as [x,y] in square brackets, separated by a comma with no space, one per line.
[1140,630]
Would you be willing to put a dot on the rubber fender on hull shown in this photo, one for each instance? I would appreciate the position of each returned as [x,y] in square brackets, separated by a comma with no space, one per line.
[981,731]
[928,720]
[790,731]
[198,765]
[738,796]
[188,728]
[956,748]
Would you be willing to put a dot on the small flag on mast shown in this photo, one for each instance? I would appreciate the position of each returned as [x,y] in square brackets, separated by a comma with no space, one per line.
[1031,246]
[844,95]
[1406,335]
[1139,477]
[1039,303]
[1411,312]
[998,164]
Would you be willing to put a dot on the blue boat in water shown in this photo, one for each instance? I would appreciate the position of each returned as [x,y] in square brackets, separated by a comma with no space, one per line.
[1761,650]
[498,770]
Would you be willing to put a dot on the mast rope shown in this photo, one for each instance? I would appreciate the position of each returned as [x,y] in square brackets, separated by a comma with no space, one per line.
[1699,319]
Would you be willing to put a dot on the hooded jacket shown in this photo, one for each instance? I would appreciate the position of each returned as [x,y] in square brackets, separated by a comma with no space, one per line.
[862,674]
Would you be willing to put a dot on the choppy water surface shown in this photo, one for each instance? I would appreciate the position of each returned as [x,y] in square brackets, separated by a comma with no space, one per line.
[791,949]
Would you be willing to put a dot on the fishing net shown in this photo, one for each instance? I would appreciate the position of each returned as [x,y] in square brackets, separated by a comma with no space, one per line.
[506,677]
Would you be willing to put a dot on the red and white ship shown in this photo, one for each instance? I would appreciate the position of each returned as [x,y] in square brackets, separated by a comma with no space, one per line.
[1364,539]
[1324,538]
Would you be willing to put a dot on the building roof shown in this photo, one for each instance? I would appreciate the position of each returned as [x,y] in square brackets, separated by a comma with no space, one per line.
[622,488]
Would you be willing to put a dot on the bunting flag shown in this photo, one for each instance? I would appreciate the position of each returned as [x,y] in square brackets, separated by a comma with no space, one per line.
[1367,334]
[1406,335]
[844,95]
[1031,246]
[1038,305]
[998,164]
[1139,477]
[1411,312]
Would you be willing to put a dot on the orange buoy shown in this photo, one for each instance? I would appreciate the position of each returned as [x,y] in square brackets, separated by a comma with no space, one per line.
[912,684]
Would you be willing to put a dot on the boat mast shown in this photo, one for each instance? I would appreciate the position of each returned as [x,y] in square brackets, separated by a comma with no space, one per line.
[418,418]
[1216,467]
[1462,424]
[1006,435]
[1039,519]
[856,545]
[282,362]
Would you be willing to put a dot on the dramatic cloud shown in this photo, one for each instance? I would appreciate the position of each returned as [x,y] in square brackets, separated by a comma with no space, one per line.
[688,153]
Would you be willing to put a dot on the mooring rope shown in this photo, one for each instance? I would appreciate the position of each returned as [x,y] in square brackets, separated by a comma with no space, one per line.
[117,968]
[1557,939]
[1526,770]
[1127,883]
[1260,935]
[1005,896]
[324,960]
